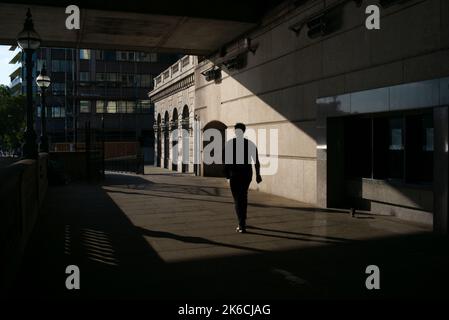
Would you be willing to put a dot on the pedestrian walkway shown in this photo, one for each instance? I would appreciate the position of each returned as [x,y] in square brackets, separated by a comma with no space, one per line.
[170,235]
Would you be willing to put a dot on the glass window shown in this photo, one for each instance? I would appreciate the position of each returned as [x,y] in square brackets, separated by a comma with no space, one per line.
[39,65]
[112,107]
[419,148]
[131,80]
[390,148]
[99,106]
[121,106]
[396,149]
[57,111]
[131,56]
[57,88]
[109,55]
[84,76]
[111,76]
[146,80]
[427,131]
[136,81]
[100,76]
[396,130]
[127,80]
[146,106]
[143,57]
[84,54]
[99,55]
[56,66]
[60,66]
[130,106]
[84,106]
[121,56]
[153,57]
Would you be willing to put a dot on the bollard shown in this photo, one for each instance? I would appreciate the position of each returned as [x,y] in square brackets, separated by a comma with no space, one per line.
[352,212]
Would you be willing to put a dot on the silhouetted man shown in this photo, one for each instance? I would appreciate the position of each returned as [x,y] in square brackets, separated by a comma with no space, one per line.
[240,154]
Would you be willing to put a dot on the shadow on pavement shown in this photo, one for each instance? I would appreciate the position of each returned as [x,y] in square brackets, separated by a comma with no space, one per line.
[189,239]
[82,225]
[311,236]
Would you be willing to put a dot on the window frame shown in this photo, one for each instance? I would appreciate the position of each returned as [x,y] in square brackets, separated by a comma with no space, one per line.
[87,105]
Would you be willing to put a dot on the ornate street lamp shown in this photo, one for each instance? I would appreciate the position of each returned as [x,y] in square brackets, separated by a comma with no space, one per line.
[29,40]
[43,82]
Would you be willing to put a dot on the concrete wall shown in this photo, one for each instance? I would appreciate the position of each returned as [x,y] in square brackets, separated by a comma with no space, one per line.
[22,191]
[281,82]
[411,202]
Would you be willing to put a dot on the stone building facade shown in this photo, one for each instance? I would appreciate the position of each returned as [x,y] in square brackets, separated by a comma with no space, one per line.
[174,100]
[362,115]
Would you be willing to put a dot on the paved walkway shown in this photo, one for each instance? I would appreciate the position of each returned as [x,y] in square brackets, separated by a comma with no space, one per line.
[168,235]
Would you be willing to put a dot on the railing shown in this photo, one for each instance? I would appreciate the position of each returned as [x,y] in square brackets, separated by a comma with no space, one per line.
[185,62]
[174,70]
[166,74]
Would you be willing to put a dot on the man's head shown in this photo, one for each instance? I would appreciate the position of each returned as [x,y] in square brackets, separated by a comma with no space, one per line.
[239,129]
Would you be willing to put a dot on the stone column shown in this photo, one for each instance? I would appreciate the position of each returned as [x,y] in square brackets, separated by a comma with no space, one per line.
[163,144]
[170,147]
[321,162]
[191,144]
[441,170]
[197,145]
[155,131]
[179,145]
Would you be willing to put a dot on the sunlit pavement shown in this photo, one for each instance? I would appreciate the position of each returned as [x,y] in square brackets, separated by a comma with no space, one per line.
[166,235]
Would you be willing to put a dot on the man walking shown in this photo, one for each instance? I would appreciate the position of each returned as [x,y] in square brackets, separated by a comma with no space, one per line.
[240,154]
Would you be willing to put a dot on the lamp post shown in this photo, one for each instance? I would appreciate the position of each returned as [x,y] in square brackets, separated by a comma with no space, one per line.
[43,82]
[29,40]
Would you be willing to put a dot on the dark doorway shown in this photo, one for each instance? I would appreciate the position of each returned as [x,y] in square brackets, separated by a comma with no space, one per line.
[185,139]
[214,169]
[159,142]
[175,136]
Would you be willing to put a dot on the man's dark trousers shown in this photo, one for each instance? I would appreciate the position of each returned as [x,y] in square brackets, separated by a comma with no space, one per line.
[240,181]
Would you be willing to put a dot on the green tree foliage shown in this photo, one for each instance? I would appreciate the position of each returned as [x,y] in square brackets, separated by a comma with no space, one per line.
[12,119]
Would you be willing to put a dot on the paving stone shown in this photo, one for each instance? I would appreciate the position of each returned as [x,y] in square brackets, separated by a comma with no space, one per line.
[163,235]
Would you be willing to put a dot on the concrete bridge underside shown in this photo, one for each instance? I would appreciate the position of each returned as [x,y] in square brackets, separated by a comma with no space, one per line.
[194,27]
